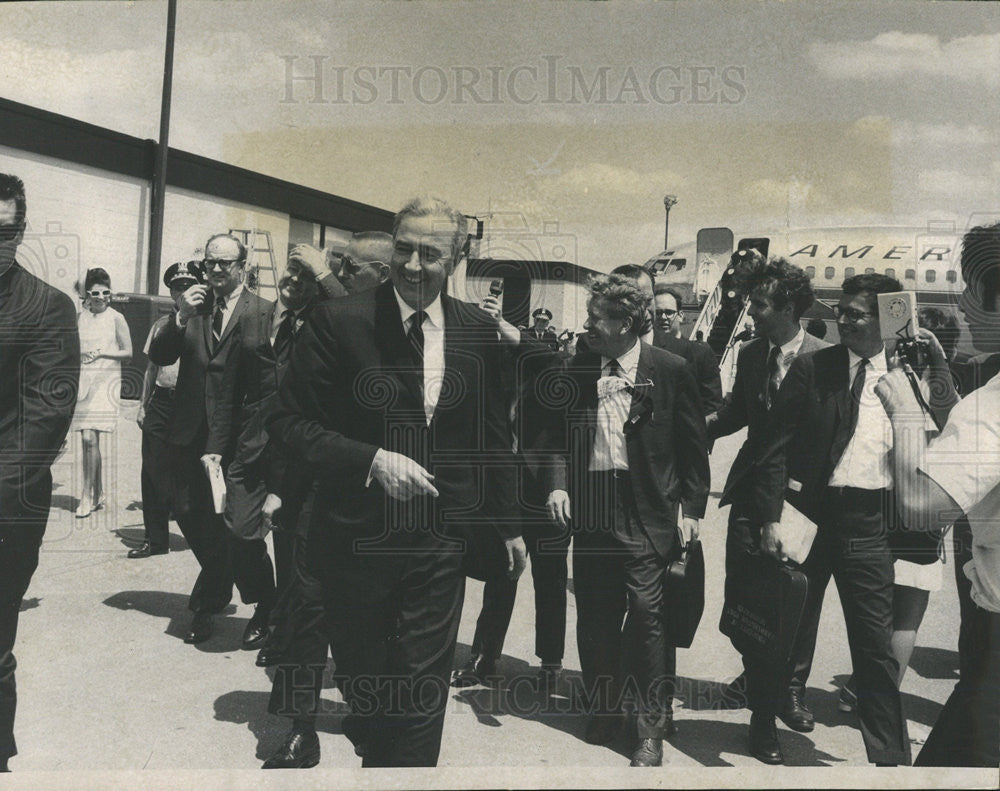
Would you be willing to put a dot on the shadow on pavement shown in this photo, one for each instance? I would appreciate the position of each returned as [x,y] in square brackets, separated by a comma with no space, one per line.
[704,741]
[162,604]
[929,662]
[135,535]
[823,703]
[29,604]
[65,502]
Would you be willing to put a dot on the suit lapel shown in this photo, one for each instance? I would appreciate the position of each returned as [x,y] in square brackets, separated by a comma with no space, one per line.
[392,344]
[836,381]
[642,399]
[241,307]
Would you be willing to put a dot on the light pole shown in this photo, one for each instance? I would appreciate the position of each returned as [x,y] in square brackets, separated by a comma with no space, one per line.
[669,201]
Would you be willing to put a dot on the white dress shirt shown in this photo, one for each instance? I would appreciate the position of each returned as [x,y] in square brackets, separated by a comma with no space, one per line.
[865,463]
[279,316]
[231,300]
[609,452]
[789,351]
[433,327]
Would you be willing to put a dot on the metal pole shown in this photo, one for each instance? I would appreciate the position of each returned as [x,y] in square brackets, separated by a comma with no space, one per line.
[160,166]
[668,203]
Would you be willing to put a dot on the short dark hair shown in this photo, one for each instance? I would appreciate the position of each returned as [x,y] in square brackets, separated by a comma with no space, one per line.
[943,325]
[12,188]
[663,288]
[783,283]
[96,276]
[624,298]
[241,248]
[635,271]
[871,284]
[981,263]
[816,327]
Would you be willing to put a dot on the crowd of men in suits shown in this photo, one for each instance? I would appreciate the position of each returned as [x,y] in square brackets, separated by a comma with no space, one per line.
[397,440]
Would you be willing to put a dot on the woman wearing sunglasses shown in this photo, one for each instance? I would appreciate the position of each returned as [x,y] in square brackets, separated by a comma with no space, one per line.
[104,343]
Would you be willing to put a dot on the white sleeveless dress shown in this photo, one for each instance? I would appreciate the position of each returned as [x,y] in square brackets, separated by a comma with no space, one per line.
[99,399]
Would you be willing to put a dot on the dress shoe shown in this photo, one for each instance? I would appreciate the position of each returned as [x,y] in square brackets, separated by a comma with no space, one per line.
[476,671]
[796,714]
[603,728]
[848,699]
[355,728]
[300,751]
[764,744]
[201,629]
[257,632]
[83,509]
[145,551]
[268,656]
[648,753]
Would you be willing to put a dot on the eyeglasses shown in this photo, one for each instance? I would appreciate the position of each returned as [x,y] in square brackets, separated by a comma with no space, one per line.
[8,233]
[351,267]
[99,293]
[851,315]
[223,264]
[665,312]
[428,253]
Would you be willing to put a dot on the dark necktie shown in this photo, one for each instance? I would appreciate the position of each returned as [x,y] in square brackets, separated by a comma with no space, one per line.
[283,338]
[615,369]
[220,305]
[773,380]
[846,431]
[416,337]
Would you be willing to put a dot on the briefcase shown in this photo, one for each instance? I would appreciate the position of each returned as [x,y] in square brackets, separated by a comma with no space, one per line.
[685,595]
[762,613]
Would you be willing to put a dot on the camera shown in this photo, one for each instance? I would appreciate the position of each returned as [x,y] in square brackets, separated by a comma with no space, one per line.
[897,316]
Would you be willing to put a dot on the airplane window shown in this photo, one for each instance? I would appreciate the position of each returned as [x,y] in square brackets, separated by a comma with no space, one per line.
[890,272]
[911,274]
[829,273]
[930,275]
[951,276]
[849,272]
[811,271]
[869,270]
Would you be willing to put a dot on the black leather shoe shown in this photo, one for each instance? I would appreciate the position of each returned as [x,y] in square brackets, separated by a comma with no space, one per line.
[145,551]
[355,728]
[257,632]
[476,671]
[603,728]
[764,744]
[201,629]
[268,656]
[300,751]
[648,753]
[795,714]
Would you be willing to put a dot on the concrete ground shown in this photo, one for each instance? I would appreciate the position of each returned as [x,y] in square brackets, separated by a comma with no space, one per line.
[110,696]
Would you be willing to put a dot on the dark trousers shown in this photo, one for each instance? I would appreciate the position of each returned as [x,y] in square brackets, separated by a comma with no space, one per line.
[967,732]
[224,558]
[157,473]
[392,619]
[767,685]
[852,546]
[299,636]
[20,540]
[616,571]
[548,550]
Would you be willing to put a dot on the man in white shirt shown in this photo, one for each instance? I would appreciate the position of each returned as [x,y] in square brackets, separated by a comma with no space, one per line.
[827,452]
[959,472]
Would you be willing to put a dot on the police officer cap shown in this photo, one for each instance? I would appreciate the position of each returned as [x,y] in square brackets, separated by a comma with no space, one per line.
[182,274]
[545,313]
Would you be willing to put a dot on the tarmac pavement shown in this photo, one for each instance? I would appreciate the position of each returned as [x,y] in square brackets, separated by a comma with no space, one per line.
[110,696]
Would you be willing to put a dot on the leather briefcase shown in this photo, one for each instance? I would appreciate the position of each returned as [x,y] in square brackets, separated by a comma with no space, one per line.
[685,595]
[762,613]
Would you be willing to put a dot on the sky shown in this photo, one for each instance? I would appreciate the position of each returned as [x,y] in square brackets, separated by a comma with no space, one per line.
[561,124]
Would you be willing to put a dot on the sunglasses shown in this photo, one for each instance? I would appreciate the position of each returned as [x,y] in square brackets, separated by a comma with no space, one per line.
[8,233]
[665,312]
[99,293]
[210,264]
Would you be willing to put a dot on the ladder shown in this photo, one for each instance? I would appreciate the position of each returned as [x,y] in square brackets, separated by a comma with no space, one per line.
[266,273]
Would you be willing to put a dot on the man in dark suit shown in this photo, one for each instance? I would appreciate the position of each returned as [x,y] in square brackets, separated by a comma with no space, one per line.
[668,320]
[298,644]
[628,449]
[779,294]
[200,334]
[827,452]
[394,399]
[39,377]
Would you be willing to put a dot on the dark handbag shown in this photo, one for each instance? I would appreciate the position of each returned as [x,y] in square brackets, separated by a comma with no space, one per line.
[762,611]
[685,595]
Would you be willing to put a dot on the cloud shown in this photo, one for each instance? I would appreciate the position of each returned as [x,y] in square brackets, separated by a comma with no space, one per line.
[948,135]
[897,55]
[955,183]
[599,177]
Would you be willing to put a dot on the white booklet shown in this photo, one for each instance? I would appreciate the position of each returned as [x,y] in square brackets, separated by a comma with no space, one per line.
[802,528]
[218,483]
